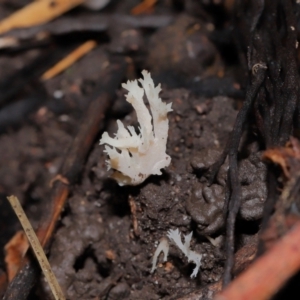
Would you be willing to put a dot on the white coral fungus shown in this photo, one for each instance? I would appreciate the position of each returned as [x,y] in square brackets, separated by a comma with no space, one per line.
[163,246]
[193,256]
[175,237]
[140,155]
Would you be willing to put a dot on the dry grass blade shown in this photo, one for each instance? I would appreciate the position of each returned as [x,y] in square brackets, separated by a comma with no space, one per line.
[36,13]
[37,248]
[69,59]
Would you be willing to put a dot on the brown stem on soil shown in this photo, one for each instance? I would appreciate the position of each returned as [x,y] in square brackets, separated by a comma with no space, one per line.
[133,210]
[92,122]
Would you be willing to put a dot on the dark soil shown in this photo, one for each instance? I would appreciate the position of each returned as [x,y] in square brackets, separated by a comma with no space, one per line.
[96,252]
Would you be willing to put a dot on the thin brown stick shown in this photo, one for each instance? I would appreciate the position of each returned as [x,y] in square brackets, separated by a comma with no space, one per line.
[72,166]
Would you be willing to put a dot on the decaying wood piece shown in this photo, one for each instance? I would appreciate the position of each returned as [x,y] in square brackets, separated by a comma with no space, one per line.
[266,32]
[281,238]
[269,273]
[102,98]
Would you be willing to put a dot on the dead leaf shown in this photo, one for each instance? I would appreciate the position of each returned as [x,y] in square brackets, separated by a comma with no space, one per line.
[15,250]
[145,7]
[288,157]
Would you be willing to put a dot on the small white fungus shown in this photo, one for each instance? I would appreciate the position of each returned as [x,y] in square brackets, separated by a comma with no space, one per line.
[144,154]
[175,237]
[162,247]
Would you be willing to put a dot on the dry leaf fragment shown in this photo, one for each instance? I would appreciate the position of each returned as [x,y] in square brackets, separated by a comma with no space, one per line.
[145,6]
[277,157]
[15,250]
[288,157]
